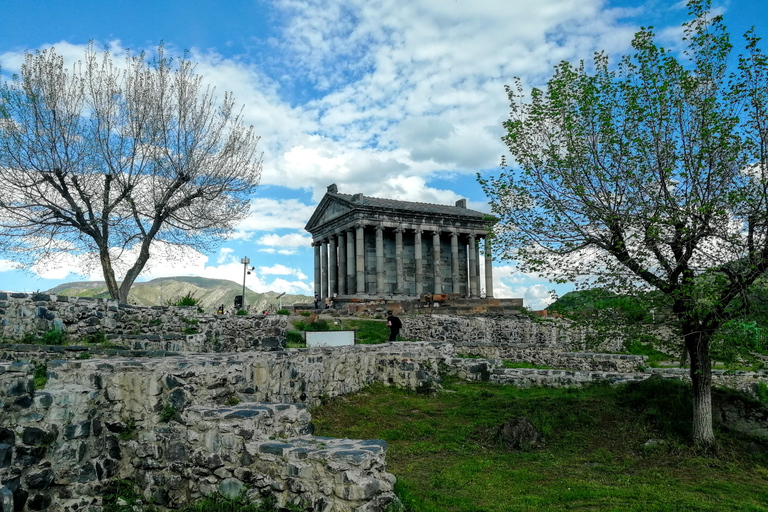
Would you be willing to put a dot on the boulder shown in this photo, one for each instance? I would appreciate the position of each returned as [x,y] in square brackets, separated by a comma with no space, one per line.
[518,434]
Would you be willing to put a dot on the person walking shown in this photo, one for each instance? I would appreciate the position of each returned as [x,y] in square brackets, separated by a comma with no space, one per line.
[394,325]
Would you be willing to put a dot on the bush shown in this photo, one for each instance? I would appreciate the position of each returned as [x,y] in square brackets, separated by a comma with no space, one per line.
[241,312]
[186,300]
[41,375]
[169,413]
[283,312]
[294,339]
[55,337]
[97,338]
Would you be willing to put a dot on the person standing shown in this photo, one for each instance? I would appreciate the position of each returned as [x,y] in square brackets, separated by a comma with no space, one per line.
[317,302]
[394,325]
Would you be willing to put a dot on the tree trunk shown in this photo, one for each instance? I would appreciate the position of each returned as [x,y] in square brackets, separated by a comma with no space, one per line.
[109,273]
[697,343]
[135,270]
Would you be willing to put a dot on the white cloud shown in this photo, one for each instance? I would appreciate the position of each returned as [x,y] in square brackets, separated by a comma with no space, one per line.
[270,214]
[275,251]
[291,240]
[225,253]
[6,265]
[282,270]
[509,283]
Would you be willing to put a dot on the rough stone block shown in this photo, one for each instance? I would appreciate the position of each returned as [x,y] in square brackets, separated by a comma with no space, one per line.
[6,500]
[40,480]
[6,454]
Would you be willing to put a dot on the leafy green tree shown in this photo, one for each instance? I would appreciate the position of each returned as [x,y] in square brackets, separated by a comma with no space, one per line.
[112,162]
[648,174]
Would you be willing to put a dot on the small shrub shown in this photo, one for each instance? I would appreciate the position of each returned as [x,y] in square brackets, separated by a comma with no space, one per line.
[96,338]
[232,400]
[186,300]
[762,392]
[294,339]
[83,355]
[120,496]
[29,339]
[191,321]
[129,432]
[305,313]
[54,337]
[41,375]
[169,413]
[155,321]
[189,330]
[241,312]
[218,503]
[283,312]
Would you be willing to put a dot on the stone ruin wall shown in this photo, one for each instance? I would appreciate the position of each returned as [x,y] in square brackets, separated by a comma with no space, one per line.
[502,330]
[60,447]
[150,328]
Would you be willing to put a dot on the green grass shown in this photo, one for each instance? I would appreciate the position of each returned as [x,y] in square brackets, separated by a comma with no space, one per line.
[523,364]
[41,376]
[655,357]
[444,451]
[367,332]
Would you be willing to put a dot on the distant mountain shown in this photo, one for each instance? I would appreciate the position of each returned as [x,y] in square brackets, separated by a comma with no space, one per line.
[211,292]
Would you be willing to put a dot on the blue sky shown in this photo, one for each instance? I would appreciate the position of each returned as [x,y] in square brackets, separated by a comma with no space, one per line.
[384,97]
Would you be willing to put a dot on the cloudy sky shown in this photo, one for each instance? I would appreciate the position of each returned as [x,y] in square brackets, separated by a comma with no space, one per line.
[401,99]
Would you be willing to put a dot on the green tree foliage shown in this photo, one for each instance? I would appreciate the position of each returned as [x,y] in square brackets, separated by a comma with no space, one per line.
[648,174]
[112,162]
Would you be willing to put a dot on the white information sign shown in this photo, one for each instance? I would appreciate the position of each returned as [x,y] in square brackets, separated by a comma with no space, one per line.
[329,338]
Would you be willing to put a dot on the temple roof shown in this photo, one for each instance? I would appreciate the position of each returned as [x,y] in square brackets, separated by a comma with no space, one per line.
[334,205]
[395,204]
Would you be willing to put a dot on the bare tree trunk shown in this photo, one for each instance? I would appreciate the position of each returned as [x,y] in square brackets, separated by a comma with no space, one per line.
[697,344]
[135,270]
[109,273]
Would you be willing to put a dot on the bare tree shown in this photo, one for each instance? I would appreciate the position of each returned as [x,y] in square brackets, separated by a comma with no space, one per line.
[649,175]
[109,161]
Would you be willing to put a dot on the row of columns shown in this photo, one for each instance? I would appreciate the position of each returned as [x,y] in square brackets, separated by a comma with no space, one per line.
[345,251]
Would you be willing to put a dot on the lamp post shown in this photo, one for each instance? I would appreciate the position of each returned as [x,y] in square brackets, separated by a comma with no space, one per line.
[245,261]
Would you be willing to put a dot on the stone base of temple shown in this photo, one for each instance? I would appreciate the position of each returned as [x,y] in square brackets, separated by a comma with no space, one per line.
[445,304]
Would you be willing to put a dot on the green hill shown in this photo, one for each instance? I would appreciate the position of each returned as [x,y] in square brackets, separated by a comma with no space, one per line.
[157,292]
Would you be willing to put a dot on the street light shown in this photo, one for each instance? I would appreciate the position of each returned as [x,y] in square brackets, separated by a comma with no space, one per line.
[245,261]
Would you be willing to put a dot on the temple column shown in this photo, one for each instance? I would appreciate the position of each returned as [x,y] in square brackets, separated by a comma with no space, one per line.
[342,276]
[379,260]
[316,246]
[488,269]
[324,270]
[438,279]
[400,288]
[454,262]
[419,277]
[360,259]
[477,266]
[350,263]
[472,251]
[332,262]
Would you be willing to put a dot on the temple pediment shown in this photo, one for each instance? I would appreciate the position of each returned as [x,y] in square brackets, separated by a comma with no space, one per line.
[329,208]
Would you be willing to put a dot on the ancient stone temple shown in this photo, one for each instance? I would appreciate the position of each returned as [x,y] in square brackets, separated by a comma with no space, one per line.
[367,246]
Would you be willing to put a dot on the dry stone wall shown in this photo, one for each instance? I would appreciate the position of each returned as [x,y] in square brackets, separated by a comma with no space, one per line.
[512,329]
[149,328]
[101,419]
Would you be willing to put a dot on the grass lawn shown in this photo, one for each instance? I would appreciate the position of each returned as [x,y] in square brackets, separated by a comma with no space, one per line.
[444,452]
[367,332]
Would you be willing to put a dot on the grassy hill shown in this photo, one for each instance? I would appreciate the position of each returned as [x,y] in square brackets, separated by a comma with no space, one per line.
[157,292]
